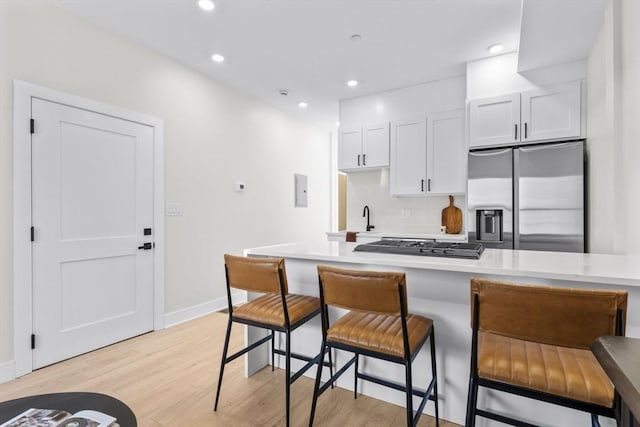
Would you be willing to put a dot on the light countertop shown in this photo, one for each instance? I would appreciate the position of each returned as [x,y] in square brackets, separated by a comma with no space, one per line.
[590,268]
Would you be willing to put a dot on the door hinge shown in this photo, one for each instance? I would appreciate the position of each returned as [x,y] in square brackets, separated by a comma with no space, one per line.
[33,341]
[33,233]
[32,126]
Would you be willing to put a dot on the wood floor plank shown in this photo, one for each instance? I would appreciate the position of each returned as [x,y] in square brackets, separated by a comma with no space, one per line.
[169,378]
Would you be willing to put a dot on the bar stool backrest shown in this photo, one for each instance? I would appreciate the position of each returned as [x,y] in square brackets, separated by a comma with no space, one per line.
[556,316]
[264,275]
[369,291]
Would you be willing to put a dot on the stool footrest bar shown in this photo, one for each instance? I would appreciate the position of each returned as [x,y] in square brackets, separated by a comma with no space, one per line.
[393,385]
[300,356]
[304,369]
[247,349]
[502,418]
[336,375]
[428,396]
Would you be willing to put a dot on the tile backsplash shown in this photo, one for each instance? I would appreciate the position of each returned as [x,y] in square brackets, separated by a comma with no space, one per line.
[393,214]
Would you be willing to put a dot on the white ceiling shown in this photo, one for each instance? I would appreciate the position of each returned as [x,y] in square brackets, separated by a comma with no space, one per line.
[555,31]
[304,46]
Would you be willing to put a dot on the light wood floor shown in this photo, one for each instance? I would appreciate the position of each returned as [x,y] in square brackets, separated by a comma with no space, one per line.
[169,377]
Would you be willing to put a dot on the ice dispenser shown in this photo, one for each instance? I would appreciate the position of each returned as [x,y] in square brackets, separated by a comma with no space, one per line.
[489,225]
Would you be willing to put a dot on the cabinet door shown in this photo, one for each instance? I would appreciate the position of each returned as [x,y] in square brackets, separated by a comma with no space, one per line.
[446,153]
[408,164]
[350,148]
[494,121]
[375,145]
[551,113]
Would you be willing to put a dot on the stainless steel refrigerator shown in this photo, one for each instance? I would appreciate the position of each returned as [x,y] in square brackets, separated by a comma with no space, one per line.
[529,197]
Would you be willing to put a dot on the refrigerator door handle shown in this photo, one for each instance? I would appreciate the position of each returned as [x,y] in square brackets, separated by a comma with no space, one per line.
[489,153]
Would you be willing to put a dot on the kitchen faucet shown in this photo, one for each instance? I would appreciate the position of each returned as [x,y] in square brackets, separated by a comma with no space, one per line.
[366,213]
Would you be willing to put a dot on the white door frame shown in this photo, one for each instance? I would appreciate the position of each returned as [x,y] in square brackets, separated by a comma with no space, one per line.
[22,260]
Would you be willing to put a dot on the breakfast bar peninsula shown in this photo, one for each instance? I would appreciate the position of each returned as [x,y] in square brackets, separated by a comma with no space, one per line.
[438,287]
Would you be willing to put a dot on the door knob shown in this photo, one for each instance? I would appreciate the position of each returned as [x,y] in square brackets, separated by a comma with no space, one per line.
[147,246]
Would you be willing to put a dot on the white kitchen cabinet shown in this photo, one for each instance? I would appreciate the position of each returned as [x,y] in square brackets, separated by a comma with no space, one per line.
[446,153]
[494,121]
[550,113]
[428,156]
[407,169]
[350,148]
[363,147]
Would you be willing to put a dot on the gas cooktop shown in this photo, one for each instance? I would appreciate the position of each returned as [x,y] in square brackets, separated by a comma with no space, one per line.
[423,248]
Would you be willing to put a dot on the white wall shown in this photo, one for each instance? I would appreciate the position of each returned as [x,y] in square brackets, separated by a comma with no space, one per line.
[372,188]
[498,75]
[214,135]
[601,112]
[630,173]
[612,132]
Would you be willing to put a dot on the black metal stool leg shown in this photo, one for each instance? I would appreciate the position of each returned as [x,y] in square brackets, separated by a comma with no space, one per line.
[355,379]
[316,388]
[273,351]
[595,422]
[409,386]
[434,374]
[330,366]
[223,362]
[472,400]
[288,376]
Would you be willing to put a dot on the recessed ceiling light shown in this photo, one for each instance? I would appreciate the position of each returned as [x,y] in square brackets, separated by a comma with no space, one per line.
[302,104]
[352,83]
[206,5]
[337,123]
[216,57]
[495,48]
[356,37]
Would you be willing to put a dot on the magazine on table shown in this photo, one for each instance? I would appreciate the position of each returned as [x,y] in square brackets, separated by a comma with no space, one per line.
[56,418]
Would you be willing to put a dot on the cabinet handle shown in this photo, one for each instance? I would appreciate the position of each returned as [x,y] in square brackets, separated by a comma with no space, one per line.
[358,159]
[516,133]
[525,130]
[429,185]
[422,185]
[364,160]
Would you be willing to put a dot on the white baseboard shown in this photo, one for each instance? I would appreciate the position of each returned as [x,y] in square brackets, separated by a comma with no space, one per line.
[180,316]
[7,371]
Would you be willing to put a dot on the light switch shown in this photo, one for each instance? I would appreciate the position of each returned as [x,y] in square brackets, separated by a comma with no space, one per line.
[174,209]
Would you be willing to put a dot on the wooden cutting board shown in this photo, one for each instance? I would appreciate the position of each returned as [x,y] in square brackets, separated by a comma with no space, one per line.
[452,218]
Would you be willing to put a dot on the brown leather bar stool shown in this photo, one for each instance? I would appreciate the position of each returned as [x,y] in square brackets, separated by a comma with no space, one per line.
[277,310]
[535,341]
[378,325]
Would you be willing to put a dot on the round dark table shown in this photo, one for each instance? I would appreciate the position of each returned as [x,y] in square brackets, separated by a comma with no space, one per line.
[70,402]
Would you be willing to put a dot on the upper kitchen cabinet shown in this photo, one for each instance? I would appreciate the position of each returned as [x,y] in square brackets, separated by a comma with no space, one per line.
[494,121]
[363,147]
[551,113]
[428,156]
[407,171]
[446,153]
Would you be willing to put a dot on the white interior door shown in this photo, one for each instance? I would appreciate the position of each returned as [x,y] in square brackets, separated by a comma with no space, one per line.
[92,199]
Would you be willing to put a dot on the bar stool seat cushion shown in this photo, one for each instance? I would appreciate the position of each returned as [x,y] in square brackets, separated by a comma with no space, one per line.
[267,309]
[379,332]
[568,372]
